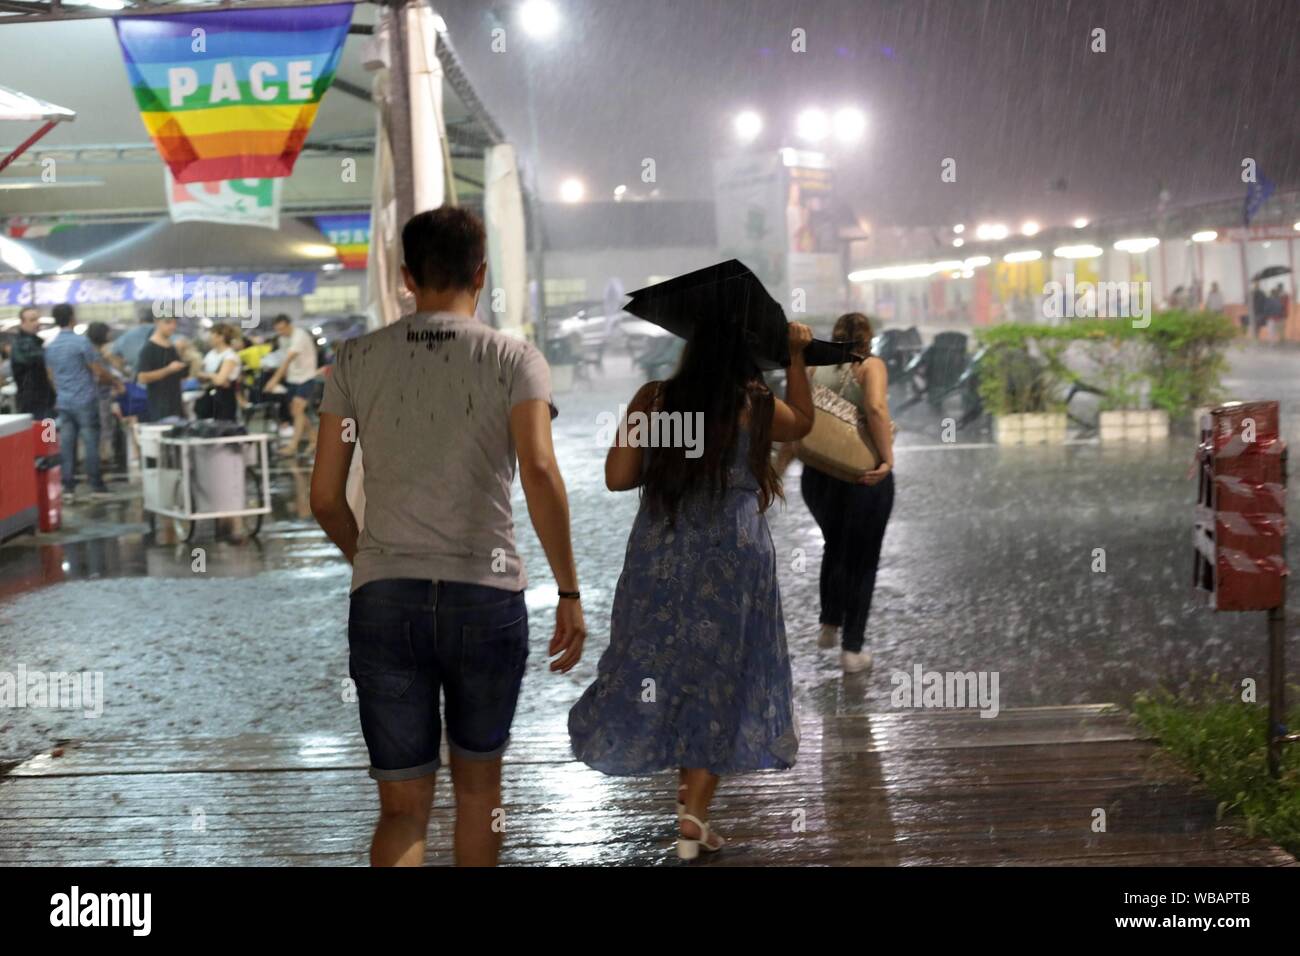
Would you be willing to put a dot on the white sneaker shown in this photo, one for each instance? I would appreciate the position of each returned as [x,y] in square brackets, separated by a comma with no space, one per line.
[855,662]
[829,636]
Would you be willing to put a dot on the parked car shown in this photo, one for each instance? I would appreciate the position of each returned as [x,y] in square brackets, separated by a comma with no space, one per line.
[580,333]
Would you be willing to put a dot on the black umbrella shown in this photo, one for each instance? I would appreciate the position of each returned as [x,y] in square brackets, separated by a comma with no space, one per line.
[1269,273]
[730,292]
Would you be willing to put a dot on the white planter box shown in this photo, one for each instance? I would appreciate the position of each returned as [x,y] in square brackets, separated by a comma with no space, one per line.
[1038,428]
[1134,425]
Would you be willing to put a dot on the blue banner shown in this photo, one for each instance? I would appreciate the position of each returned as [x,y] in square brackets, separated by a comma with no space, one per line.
[96,291]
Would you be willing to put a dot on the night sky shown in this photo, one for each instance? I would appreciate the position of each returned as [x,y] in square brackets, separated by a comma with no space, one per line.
[1040,126]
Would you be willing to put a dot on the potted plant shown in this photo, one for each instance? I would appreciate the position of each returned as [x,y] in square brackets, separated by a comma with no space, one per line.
[1187,361]
[1020,376]
[1119,361]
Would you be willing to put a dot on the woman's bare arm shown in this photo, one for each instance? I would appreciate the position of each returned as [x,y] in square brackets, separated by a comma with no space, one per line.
[793,418]
[623,464]
[874,379]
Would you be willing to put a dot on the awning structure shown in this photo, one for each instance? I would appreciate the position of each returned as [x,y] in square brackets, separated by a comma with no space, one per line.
[20,108]
[110,173]
[165,246]
[21,258]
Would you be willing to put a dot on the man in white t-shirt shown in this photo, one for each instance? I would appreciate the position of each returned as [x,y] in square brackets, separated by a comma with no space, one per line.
[298,371]
[447,410]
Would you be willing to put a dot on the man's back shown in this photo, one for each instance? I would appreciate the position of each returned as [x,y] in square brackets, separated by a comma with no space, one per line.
[69,357]
[431,397]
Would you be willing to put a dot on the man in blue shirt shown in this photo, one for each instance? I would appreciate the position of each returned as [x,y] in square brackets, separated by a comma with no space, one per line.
[74,366]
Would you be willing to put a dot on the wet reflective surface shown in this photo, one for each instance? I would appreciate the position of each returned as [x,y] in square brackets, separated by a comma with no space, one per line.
[987,566]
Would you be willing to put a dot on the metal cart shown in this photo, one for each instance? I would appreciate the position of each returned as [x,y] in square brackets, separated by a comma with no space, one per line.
[189,479]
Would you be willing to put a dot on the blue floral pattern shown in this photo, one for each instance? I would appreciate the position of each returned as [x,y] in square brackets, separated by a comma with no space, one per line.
[697,673]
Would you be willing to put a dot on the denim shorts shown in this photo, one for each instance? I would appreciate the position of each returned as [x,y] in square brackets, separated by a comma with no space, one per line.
[302,390]
[409,640]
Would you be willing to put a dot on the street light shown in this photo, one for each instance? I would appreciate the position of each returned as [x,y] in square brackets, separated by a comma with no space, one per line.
[812,125]
[572,190]
[539,18]
[748,125]
[1029,228]
[1080,223]
[849,123]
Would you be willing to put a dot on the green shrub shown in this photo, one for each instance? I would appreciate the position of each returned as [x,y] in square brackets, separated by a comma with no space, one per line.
[1188,360]
[1223,742]
[1178,360]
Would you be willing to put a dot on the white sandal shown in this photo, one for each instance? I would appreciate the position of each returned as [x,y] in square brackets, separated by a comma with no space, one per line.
[688,849]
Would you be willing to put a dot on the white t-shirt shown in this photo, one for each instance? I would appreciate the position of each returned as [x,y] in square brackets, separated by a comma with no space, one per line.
[303,367]
[431,397]
[213,361]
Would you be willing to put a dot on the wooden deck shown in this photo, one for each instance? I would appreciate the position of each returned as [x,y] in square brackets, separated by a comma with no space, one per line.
[918,787]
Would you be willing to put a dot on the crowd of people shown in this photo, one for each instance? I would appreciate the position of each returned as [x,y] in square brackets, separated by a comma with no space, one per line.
[97,386]
[696,678]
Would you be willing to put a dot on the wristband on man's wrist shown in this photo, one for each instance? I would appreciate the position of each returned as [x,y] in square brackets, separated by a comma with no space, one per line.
[573,595]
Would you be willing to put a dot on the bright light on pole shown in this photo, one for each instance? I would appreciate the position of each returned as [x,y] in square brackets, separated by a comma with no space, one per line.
[991,231]
[1080,223]
[1205,235]
[619,192]
[812,125]
[539,18]
[1029,228]
[572,190]
[850,124]
[748,125]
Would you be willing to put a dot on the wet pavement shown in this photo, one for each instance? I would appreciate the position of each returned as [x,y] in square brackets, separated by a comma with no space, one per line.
[987,566]
[910,788]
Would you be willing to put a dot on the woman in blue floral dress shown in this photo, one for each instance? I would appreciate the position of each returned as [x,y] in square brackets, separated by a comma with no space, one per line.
[697,676]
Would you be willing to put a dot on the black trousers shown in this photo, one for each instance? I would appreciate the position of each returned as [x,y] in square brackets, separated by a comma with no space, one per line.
[852,518]
[224,406]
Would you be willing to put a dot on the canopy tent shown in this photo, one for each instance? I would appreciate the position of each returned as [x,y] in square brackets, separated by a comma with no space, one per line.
[22,258]
[165,246]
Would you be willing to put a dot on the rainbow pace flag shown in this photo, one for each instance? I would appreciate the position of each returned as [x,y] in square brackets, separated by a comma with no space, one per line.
[232,94]
[350,237]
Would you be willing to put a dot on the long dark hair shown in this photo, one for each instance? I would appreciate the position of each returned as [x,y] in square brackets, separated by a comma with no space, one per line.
[716,376]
